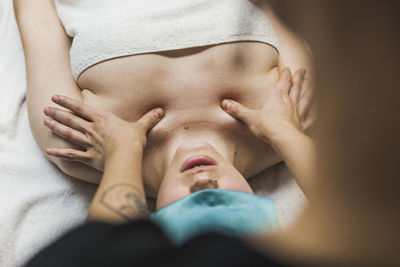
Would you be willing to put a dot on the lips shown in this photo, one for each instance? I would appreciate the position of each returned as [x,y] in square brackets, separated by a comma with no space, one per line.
[192,162]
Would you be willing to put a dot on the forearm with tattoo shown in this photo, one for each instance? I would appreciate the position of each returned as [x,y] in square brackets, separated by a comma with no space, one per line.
[125,200]
[120,197]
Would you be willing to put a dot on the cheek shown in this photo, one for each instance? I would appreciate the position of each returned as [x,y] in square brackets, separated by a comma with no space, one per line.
[170,193]
[232,180]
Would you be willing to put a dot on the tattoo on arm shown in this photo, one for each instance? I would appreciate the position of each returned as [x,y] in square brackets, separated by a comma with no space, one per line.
[126,201]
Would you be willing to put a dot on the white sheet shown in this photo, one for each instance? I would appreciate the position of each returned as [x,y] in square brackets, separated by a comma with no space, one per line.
[38,203]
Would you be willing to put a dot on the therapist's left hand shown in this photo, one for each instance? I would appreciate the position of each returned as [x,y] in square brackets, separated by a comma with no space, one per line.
[99,132]
[284,111]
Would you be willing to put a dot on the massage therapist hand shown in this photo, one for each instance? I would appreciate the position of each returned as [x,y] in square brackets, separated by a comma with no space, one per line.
[280,122]
[283,112]
[98,132]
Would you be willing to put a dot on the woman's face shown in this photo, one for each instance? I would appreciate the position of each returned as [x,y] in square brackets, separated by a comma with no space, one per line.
[196,167]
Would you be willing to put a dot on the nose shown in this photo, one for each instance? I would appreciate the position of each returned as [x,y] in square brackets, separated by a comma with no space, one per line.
[205,183]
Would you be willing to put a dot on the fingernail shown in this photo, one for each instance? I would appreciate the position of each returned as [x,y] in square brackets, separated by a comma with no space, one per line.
[226,104]
[55,98]
[46,121]
[46,110]
[159,113]
[287,69]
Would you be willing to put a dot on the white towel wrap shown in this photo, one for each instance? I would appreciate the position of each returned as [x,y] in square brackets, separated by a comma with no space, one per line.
[105,29]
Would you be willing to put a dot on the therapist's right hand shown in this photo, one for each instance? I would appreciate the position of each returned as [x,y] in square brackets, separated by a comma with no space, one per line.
[99,132]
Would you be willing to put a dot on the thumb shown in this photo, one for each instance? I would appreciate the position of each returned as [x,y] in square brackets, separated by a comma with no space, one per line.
[236,110]
[151,118]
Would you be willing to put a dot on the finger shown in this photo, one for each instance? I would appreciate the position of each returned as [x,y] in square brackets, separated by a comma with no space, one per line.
[285,81]
[67,133]
[307,86]
[236,110]
[305,103]
[69,154]
[298,78]
[309,122]
[68,119]
[75,106]
[151,118]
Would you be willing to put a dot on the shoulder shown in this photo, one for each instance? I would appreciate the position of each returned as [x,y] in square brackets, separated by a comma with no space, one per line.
[293,50]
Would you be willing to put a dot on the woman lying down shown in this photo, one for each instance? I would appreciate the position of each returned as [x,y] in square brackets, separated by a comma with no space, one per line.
[201,191]
[129,57]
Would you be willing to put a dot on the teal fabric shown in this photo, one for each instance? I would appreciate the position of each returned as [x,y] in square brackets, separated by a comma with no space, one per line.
[213,210]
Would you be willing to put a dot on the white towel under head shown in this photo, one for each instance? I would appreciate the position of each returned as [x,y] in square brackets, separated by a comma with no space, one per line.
[105,29]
